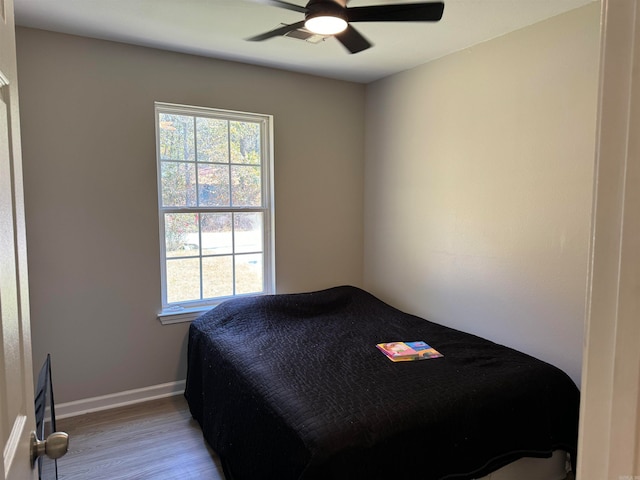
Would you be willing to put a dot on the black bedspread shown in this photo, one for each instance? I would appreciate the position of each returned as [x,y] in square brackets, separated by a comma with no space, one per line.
[293,387]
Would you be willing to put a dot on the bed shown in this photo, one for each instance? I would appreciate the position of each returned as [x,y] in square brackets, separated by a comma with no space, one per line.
[292,386]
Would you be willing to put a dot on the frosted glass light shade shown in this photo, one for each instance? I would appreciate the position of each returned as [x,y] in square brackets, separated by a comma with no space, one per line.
[325,25]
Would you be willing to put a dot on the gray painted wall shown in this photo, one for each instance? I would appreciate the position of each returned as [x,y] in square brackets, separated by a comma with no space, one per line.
[478,180]
[478,187]
[91,201]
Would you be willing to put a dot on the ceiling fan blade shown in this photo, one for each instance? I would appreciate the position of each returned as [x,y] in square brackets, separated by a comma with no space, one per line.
[402,12]
[277,32]
[281,4]
[353,40]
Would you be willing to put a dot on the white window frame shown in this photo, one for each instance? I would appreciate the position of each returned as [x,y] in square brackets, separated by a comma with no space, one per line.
[189,310]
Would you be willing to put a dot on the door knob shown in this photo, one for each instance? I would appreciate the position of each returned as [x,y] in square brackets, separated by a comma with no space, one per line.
[55,446]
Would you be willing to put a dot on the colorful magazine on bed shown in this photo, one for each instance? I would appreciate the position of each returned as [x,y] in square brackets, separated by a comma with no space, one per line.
[407,351]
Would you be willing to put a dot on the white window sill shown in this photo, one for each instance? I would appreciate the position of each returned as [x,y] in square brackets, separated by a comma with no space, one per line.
[171,316]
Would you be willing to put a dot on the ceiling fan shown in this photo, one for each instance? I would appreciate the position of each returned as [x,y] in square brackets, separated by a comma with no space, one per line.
[333,18]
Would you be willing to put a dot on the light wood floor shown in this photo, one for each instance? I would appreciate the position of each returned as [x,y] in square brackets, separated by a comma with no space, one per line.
[153,440]
[156,440]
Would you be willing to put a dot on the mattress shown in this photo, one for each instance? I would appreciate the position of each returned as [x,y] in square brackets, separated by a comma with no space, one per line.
[527,468]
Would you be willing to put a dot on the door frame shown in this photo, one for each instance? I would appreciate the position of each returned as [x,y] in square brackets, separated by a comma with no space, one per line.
[608,446]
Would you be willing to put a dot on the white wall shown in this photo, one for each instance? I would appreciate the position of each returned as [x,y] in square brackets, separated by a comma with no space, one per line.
[478,187]
[91,202]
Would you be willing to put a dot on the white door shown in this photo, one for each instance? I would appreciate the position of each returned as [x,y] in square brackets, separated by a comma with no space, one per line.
[16,377]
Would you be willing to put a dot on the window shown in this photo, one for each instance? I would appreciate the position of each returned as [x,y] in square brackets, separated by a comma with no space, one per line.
[215,207]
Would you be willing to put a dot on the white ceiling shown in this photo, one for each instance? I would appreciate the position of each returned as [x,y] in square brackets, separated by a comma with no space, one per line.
[218,28]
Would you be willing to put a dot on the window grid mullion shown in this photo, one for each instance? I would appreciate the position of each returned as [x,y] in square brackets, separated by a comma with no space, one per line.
[233,251]
[195,159]
[200,255]
[230,165]
[233,218]
[198,216]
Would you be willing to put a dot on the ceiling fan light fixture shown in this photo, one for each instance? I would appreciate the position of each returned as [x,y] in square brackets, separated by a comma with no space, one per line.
[325,24]
[332,18]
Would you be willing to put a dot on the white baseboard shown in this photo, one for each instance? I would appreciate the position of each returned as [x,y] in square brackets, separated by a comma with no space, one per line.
[121,399]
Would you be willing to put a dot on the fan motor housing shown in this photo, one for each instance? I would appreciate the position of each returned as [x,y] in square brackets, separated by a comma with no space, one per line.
[340,3]
[329,8]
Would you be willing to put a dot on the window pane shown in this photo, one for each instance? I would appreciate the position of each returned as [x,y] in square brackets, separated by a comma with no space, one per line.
[183,279]
[248,273]
[245,142]
[176,137]
[213,185]
[248,232]
[217,276]
[181,234]
[213,140]
[217,237]
[178,184]
[247,186]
